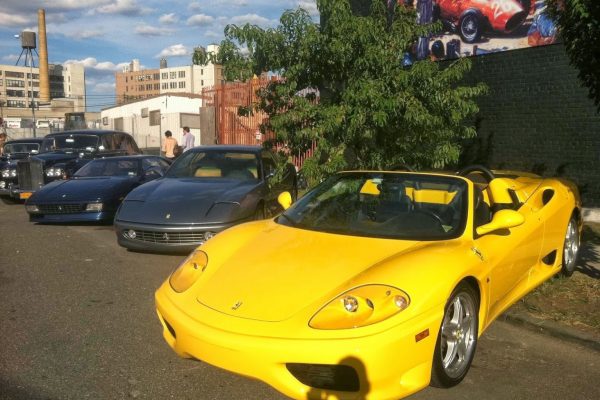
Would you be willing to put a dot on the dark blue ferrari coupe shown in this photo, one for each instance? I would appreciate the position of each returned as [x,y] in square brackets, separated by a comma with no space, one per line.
[95,191]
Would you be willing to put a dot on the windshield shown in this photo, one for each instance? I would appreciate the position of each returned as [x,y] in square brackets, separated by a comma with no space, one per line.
[387,205]
[215,164]
[13,148]
[109,167]
[70,142]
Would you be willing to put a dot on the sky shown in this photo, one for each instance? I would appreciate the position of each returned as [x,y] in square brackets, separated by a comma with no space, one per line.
[105,35]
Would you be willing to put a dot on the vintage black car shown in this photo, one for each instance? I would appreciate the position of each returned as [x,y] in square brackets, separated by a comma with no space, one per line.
[95,191]
[62,154]
[15,150]
[206,190]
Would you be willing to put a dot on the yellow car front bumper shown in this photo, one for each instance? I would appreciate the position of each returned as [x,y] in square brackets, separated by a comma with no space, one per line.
[389,364]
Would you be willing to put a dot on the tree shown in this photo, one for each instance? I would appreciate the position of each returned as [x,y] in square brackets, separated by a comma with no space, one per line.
[344,87]
[579,24]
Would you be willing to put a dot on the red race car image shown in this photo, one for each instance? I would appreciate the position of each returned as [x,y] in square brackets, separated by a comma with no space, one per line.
[471,17]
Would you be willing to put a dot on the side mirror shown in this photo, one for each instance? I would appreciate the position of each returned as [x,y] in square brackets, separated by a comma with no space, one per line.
[502,219]
[285,200]
[153,173]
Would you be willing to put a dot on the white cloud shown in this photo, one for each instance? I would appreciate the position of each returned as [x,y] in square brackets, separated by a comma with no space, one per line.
[123,7]
[310,6]
[93,64]
[10,58]
[200,20]
[194,6]
[168,19]
[148,30]
[252,19]
[176,50]
[8,20]
[88,34]
[104,87]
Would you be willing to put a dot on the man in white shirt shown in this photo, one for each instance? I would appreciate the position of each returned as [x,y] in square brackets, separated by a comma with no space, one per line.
[188,139]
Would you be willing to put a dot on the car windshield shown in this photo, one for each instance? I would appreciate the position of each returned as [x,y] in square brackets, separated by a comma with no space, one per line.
[216,164]
[386,205]
[13,148]
[109,167]
[70,142]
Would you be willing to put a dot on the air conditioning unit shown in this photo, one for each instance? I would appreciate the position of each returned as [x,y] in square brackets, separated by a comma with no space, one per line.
[145,112]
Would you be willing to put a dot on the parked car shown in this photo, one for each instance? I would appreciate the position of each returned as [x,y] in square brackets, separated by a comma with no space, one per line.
[206,190]
[15,150]
[95,191]
[62,154]
[374,284]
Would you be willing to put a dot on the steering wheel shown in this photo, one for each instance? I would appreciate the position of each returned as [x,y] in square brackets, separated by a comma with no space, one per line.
[431,214]
[487,174]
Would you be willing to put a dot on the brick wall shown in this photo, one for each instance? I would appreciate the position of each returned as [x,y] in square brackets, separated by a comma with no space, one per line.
[537,117]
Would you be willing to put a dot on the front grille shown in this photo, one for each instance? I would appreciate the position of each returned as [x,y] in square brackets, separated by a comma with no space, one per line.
[61,208]
[342,378]
[30,174]
[165,237]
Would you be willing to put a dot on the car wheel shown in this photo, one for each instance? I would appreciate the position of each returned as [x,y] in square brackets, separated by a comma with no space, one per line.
[470,27]
[571,248]
[457,339]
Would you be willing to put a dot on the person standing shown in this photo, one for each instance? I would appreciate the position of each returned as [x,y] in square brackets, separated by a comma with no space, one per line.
[188,139]
[169,145]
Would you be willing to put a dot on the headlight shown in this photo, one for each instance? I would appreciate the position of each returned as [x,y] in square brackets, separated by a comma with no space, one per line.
[362,306]
[189,271]
[94,207]
[32,209]
[54,172]
[2,185]
[6,173]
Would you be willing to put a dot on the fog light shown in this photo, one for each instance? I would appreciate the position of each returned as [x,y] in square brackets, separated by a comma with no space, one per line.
[32,209]
[131,234]
[209,235]
[350,304]
[400,302]
[94,207]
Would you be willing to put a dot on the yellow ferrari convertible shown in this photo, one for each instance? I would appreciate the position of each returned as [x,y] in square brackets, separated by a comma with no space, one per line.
[374,284]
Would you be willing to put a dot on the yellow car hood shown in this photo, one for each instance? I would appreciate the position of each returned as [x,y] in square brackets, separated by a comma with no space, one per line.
[279,271]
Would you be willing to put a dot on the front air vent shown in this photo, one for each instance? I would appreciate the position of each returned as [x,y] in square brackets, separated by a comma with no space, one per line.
[547,196]
[550,258]
[341,378]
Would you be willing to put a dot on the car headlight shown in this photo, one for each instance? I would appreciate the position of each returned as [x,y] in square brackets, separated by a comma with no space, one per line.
[54,172]
[361,306]
[32,209]
[189,271]
[2,185]
[6,173]
[94,207]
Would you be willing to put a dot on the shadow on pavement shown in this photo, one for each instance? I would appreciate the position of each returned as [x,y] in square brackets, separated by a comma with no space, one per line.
[589,257]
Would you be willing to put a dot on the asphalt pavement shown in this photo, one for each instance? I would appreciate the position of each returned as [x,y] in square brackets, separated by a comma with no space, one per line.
[77,321]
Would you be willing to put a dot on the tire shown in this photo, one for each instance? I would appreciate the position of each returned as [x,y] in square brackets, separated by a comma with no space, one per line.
[457,339]
[470,27]
[571,248]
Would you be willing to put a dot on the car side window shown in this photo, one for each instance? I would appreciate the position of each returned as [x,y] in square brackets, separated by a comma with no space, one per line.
[107,142]
[130,145]
[155,162]
[268,164]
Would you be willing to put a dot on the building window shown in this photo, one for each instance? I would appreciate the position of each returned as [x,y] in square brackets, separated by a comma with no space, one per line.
[165,75]
[202,82]
[182,74]
[15,83]
[165,85]
[15,93]
[201,72]
[154,118]
[173,85]
[156,77]
[157,86]
[173,75]
[15,103]
[141,88]
[182,85]
[35,76]
[12,74]
[0,82]
[149,86]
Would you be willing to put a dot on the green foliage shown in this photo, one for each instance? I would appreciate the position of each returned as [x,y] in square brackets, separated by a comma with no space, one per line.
[344,87]
[579,24]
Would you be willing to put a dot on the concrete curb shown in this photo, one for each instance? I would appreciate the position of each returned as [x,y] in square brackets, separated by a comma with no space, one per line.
[591,214]
[552,329]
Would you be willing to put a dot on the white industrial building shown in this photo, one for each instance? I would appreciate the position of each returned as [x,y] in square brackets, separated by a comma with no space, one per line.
[148,119]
